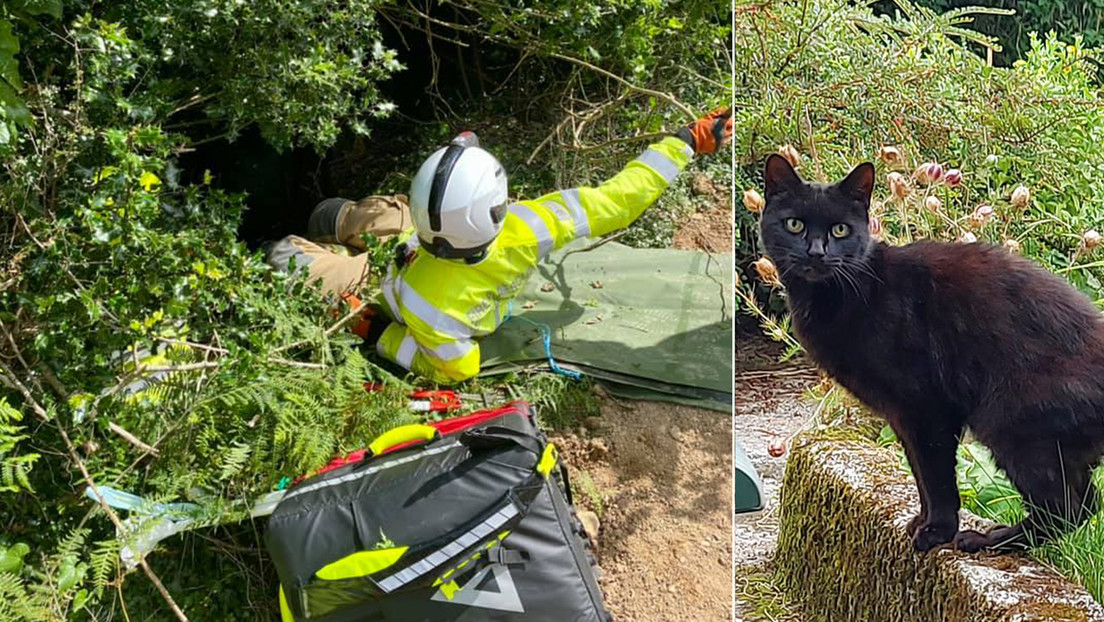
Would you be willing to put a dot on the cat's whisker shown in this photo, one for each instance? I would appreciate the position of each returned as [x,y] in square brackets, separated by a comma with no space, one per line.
[842,270]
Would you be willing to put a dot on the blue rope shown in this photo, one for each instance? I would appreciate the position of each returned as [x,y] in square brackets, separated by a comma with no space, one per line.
[546,337]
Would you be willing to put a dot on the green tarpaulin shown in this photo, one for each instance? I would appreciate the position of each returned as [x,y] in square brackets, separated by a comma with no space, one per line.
[647,323]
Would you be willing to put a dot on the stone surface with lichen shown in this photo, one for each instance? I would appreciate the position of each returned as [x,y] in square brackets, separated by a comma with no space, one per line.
[844,554]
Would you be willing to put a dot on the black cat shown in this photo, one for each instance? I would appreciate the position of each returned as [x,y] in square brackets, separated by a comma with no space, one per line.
[936,337]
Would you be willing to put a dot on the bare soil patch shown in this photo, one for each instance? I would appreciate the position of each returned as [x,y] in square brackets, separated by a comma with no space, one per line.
[659,477]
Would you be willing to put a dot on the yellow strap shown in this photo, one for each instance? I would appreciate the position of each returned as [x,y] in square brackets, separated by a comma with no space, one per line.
[548,460]
[400,435]
[361,564]
[285,611]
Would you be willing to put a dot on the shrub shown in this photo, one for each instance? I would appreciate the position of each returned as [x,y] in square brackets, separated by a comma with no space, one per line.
[113,246]
[840,83]
[1032,16]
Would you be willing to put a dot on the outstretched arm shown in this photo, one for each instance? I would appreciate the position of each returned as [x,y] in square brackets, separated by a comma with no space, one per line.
[557,218]
[616,203]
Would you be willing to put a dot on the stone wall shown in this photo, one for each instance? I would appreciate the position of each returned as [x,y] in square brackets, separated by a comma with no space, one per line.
[844,555]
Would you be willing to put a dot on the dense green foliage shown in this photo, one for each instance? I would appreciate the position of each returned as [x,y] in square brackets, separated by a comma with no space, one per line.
[839,83]
[115,244]
[1085,17]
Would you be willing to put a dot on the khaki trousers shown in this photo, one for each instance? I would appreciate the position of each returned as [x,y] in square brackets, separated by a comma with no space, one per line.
[331,254]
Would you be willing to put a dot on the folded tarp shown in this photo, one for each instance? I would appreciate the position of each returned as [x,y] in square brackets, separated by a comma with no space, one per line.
[647,323]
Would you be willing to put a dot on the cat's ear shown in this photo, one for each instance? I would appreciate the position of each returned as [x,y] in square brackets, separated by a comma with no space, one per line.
[859,183]
[779,176]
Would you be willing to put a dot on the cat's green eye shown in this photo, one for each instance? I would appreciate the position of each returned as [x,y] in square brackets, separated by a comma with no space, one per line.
[840,230]
[794,225]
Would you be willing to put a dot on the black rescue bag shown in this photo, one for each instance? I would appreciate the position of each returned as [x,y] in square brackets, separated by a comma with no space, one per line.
[465,520]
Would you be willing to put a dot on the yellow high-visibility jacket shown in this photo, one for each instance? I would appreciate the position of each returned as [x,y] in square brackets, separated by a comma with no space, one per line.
[441,307]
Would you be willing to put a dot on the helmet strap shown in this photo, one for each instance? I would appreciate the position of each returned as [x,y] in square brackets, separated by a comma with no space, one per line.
[440,247]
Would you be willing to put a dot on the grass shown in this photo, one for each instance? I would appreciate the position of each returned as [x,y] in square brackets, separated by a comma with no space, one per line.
[584,484]
[561,403]
[1079,555]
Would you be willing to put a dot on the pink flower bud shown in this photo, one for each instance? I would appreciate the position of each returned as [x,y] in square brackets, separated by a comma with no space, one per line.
[898,185]
[929,172]
[953,177]
[791,155]
[890,155]
[1091,239]
[767,271]
[776,449]
[1012,246]
[933,204]
[753,201]
[875,226]
[982,215]
[1021,196]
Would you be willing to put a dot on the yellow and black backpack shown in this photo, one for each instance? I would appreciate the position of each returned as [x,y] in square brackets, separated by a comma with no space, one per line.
[463,520]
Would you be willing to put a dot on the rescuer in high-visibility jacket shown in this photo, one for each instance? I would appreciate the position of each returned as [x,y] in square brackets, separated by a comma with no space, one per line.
[471,250]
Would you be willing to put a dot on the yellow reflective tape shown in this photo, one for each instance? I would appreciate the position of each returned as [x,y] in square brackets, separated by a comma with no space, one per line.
[361,564]
[285,611]
[548,460]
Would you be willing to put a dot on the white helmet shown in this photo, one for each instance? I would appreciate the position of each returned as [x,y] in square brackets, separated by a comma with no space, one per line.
[458,200]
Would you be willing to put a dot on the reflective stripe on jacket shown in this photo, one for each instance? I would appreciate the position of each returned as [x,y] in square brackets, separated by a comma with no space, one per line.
[440,307]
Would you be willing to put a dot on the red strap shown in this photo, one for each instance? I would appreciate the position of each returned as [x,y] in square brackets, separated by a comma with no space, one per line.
[444,427]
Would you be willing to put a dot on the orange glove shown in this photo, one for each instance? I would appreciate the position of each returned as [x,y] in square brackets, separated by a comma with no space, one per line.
[362,324]
[707,134]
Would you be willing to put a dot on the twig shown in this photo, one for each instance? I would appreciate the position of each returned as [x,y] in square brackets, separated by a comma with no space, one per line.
[130,438]
[181,367]
[291,363]
[658,94]
[114,518]
[329,331]
[10,378]
[603,241]
[667,97]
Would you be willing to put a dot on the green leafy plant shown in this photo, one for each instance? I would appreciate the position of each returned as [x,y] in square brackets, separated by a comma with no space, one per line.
[147,349]
[912,83]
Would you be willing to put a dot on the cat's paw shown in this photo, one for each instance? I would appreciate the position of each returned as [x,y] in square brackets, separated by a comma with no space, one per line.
[970,541]
[930,535]
[914,524]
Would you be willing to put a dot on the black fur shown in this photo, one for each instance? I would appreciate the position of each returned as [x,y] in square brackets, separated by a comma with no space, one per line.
[939,337]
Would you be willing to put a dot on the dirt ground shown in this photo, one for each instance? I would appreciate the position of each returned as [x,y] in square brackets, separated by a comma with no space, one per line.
[709,230]
[658,476]
[770,405]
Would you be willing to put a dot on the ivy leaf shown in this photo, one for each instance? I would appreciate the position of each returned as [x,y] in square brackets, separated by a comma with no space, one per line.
[11,559]
[70,574]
